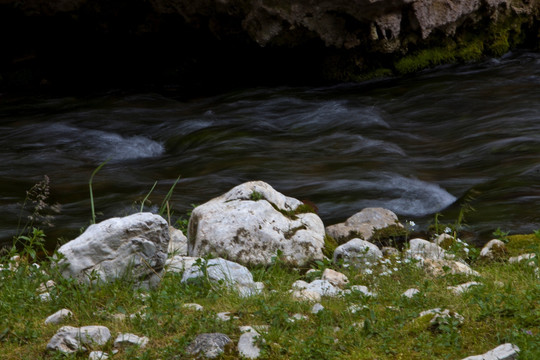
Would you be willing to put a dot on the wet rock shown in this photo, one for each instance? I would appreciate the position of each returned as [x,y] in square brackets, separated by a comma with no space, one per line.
[252,223]
[59,317]
[363,224]
[69,339]
[209,345]
[503,352]
[358,253]
[133,246]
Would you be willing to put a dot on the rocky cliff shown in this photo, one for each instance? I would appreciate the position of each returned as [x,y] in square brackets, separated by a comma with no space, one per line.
[198,44]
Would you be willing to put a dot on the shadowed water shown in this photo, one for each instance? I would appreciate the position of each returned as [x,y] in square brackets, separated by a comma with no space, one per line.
[415,145]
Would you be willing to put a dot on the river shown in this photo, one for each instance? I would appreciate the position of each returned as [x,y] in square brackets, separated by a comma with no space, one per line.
[416,145]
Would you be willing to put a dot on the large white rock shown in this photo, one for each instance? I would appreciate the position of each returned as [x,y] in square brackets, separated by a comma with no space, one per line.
[363,224]
[321,287]
[133,246]
[224,273]
[69,339]
[248,225]
[438,268]
[358,253]
[427,250]
[503,352]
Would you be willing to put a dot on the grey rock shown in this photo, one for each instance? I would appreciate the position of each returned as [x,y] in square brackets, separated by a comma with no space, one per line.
[69,339]
[247,346]
[334,277]
[135,246]
[363,224]
[358,253]
[503,352]
[179,263]
[247,225]
[209,345]
[426,250]
[59,316]
[98,355]
[224,273]
[127,339]
[178,242]
[410,293]
[460,289]
[389,251]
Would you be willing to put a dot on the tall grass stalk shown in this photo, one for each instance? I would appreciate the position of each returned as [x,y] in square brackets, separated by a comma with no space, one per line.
[163,206]
[147,195]
[91,193]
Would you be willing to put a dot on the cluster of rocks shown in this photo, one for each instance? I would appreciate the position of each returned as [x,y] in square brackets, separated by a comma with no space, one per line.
[252,224]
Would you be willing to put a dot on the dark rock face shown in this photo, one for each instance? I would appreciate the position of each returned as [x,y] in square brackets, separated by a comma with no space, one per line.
[234,42]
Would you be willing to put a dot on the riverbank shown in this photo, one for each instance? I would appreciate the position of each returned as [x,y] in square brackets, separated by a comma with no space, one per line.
[383,324]
[306,292]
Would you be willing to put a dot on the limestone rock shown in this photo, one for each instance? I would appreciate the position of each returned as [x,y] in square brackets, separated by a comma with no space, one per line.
[98,355]
[59,316]
[335,278]
[251,223]
[193,306]
[177,243]
[362,289]
[317,308]
[127,339]
[357,252]
[363,224]
[503,352]
[460,289]
[209,345]
[523,257]
[247,346]
[69,339]
[224,273]
[136,245]
[410,293]
[445,241]
[438,268]
[306,295]
[179,263]
[426,250]
[389,251]
[494,250]
[321,287]
[439,316]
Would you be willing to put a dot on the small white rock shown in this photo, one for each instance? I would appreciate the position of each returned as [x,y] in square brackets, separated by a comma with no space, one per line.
[128,339]
[98,355]
[335,278]
[363,290]
[410,293]
[193,306]
[316,308]
[59,316]
[460,289]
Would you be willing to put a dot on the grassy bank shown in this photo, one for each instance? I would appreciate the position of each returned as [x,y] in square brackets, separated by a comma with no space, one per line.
[506,308]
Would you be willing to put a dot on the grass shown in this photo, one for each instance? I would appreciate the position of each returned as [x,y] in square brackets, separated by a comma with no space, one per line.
[505,309]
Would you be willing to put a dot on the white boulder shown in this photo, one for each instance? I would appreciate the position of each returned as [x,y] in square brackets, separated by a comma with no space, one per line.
[69,339]
[247,346]
[359,253]
[420,248]
[133,246]
[494,250]
[252,223]
[224,273]
[335,277]
[363,224]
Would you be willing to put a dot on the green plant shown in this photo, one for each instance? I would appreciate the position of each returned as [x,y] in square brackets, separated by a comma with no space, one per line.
[165,204]
[91,192]
[147,195]
[256,196]
[31,243]
[501,235]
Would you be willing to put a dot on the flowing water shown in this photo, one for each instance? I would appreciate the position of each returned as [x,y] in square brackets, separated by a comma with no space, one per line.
[417,145]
